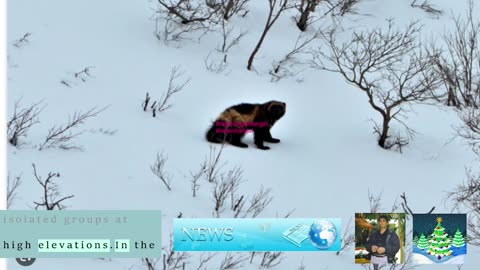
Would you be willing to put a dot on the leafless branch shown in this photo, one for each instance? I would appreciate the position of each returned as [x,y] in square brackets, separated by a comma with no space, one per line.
[375,201]
[181,19]
[286,66]
[427,7]
[271,259]
[228,7]
[276,8]
[469,130]
[459,64]
[387,66]
[86,71]
[407,209]
[347,7]
[145,102]
[259,202]
[150,263]
[228,40]
[61,136]
[233,261]
[196,176]
[306,8]
[213,163]
[12,189]
[21,121]
[19,42]
[225,187]
[216,65]
[50,192]
[173,87]
[348,236]
[204,259]
[158,168]
[466,196]
[173,260]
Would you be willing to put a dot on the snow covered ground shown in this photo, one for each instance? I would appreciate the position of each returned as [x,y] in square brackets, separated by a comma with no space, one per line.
[325,165]
[422,259]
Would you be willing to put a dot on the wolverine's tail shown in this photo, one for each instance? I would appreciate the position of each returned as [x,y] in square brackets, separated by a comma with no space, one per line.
[215,137]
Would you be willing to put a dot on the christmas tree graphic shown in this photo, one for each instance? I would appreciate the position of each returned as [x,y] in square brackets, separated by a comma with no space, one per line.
[415,240]
[422,242]
[458,240]
[439,243]
[440,238]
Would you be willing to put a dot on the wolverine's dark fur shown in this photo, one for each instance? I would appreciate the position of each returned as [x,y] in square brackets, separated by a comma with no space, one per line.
[247,113]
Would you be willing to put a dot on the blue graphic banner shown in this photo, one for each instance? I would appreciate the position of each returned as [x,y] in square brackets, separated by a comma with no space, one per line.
[257,234]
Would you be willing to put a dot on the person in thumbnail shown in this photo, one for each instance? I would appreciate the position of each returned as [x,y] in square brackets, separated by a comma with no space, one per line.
[382,244]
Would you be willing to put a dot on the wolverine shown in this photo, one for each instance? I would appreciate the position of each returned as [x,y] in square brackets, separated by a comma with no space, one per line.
[235,121]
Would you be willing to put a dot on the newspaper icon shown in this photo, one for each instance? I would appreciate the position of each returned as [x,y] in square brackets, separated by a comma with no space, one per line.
[297,234]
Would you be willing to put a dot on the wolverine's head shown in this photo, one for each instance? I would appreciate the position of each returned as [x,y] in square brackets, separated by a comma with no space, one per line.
[276,109]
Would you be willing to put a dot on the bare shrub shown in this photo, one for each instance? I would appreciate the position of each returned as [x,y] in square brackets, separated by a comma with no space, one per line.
[458,63]
[21,41]
[153,107]
[469,130]
[233,261]
[174,86]
[213,163]
[228,8]
[375,201]
[276,8]
[466,197]
[189,11]
[12,186]
[344,7]
[145,102]
[217,64]
[182,19]
[82,74]
[407,209]
[259,202]
[158,168]
[256,204]
[51,192]
[79,76]
[348,236]
[305,7]
[271,259]
[428,8]
[150,263]
[204,259]
[228,38]
[196,177]
[223,188]
[61,136]
[172,259]
[286,67]
[388,67]
[21,121]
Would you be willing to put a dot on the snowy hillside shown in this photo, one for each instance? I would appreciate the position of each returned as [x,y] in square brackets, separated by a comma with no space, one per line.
[89,54]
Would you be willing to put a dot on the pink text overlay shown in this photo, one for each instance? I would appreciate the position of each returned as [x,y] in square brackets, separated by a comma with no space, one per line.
[240,130]
[241,124]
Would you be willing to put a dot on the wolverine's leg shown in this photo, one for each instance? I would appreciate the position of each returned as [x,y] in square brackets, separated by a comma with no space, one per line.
[259,137]
[236,140]
[269,138]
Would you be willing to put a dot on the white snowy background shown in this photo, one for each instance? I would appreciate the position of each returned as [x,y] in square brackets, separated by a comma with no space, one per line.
[324,166]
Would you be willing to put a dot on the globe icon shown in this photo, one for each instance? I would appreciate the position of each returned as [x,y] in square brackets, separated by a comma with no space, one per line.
[323,234]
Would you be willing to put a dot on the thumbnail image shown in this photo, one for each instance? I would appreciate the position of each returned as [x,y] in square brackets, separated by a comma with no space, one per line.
[439,238]
[379,238]
[322,234]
